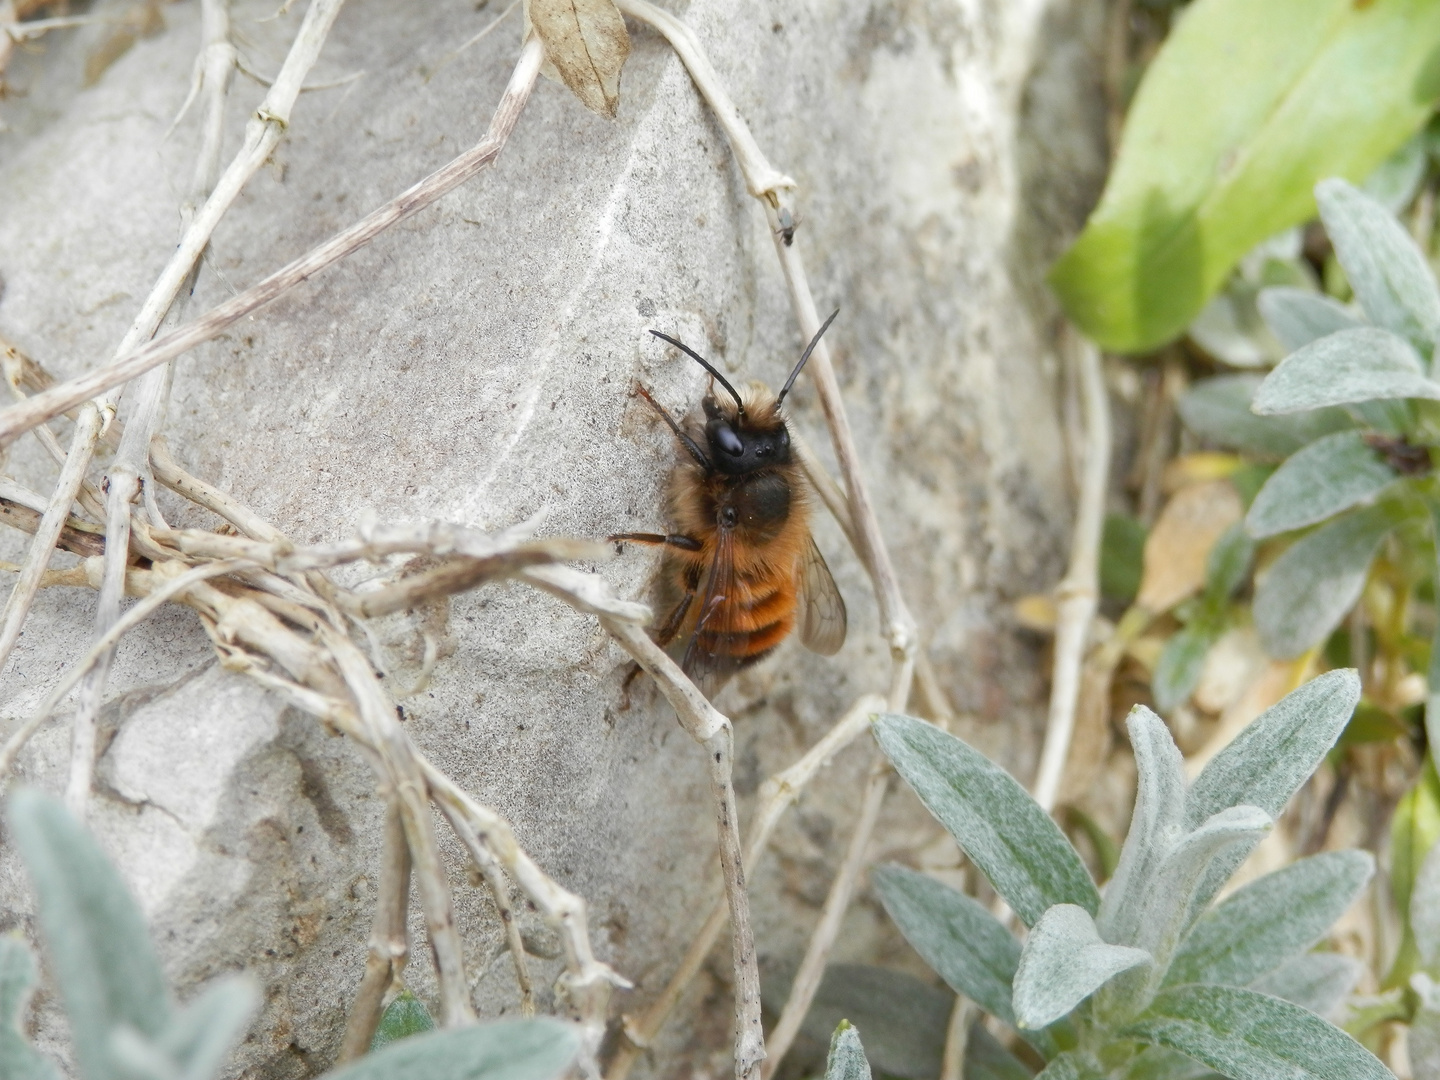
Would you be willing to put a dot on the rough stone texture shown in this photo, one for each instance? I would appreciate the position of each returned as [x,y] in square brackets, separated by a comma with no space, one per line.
[475,365]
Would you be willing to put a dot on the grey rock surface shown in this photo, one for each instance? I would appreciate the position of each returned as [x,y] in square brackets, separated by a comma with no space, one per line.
[475,365]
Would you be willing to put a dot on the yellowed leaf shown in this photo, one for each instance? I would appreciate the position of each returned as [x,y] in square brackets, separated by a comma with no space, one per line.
[586,45]
[1202,465]
[1036,612]
[1180,542]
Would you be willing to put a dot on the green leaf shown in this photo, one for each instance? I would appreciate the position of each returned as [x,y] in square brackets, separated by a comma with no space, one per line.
[1181,662]
[1432,687]
[1364,364]
[1315,583]
[1155,824]
[1330,475]
[1122,555]
[539,1049]
[847,1057]
[1318,981]
[18,1060]
[1389,274]
[1270,920]
[1192,872]
[98,943]
[964,944]
[1414,832]
[1299,316]
[405,1016]
[1424,1042]
[994,820]
[1248,1036]
[1268,761]
[904,1019]
[1072,1065]
[1218,411]
[1425,909]
[1228,564]
[1063,963]
[1396,180]
[1245,107]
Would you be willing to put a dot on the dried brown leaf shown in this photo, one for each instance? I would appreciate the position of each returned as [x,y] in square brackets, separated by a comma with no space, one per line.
[586,45]
[1180,542]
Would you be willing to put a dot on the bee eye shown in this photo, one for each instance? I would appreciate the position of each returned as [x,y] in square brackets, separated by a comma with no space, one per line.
[764,450]
[728,441]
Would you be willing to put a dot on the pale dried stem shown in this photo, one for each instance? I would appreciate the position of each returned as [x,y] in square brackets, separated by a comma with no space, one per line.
[407,782]
[812,967]
[586,982]
[957,1039]
[22,375]
[825,486]
[1078,596]
[771,187]
[837,901]
[777,794]
[169,473]
[898,626]
[389,940]
[21,417]
[711,729]
[127,473]
[52,521]
[499,888]
[92,689]
[172,581]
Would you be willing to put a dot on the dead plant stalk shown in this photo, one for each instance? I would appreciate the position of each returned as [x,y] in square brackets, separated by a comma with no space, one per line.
[1079,593]
[773,188]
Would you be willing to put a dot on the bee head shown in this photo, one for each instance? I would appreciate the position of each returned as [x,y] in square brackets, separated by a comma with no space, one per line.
[743,441]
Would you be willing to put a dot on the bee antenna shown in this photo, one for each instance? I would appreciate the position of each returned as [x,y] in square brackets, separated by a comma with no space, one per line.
[805,355]
[705,364]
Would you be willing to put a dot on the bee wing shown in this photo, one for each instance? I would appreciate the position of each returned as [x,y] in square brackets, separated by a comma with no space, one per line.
[822,610]
[708,667]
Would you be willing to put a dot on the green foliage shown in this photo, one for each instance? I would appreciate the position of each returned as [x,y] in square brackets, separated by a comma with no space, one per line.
[1246,106]
[124,1022]
[1029,861]
[1122,557]
[403,1017]
[847,1056]
[1206,619]
[904,1018]
[1349,410]
[1152,982]
[1414,832]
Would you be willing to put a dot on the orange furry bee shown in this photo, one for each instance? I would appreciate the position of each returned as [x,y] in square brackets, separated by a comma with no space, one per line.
[741,569]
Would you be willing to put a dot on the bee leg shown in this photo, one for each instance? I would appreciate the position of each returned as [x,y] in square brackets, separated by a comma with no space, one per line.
[685,543]
[671,627]
[630,677]
[662,637]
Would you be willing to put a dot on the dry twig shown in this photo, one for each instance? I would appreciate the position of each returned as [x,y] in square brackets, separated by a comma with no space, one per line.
[1079,593]
[20,418]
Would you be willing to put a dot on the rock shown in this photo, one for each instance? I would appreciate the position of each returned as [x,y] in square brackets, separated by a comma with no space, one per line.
[475,365]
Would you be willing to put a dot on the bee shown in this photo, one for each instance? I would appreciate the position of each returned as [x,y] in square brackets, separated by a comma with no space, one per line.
[740,569]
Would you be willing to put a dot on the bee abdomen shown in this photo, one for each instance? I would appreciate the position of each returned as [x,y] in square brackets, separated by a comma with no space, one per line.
[753,628]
